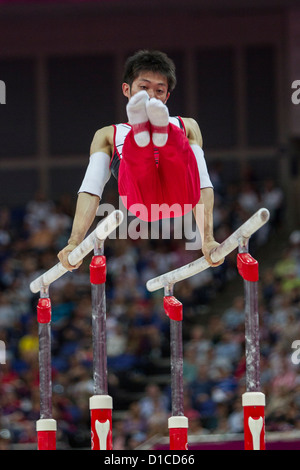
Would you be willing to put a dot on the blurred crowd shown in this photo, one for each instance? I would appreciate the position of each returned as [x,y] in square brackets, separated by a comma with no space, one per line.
[138,329]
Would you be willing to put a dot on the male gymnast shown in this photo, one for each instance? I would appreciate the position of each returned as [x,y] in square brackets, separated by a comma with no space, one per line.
[157,160]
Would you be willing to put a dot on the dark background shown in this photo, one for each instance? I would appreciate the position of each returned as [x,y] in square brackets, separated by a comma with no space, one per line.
[62,64]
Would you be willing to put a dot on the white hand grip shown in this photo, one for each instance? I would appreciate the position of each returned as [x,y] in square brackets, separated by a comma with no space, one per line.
[227,246]
[102,231]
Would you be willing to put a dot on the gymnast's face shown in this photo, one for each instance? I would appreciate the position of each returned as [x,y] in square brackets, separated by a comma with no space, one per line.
[154,83]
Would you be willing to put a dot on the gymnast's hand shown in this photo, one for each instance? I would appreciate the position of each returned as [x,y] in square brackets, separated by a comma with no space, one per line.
[207,248]
[63,257]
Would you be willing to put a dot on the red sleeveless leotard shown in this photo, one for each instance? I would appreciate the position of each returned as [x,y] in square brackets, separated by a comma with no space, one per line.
[156,183]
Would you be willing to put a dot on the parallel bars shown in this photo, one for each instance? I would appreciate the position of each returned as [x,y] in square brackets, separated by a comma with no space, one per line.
[253,400]
[100,402]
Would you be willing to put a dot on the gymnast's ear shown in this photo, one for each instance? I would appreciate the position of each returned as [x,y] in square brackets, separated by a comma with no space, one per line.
[126,90]
[168,96]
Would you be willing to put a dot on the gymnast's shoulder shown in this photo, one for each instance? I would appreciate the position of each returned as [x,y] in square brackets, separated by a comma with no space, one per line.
[103,140]
[193,131]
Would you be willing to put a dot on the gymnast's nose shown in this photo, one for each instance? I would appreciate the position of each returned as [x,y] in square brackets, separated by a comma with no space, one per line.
[151,93]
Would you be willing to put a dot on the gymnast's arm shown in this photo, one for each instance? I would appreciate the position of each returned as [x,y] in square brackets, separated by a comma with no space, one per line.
[203,211]
[90,192]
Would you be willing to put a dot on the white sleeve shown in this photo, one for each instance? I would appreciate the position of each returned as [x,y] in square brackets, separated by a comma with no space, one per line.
[205,181]
[97,174]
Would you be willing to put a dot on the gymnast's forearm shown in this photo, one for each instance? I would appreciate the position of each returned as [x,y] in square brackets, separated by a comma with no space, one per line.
[90,192]
[87,205]
[203,213]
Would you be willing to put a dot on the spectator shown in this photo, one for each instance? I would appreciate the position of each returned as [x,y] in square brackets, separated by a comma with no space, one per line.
[248,198]
[189,364]
[201,395]
[273,199]
[234,316]
[134,422]
[153,403]
[236,417]
[138,329]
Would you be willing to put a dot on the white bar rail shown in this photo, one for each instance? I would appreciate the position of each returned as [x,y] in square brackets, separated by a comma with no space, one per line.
[102,231]
[245,231]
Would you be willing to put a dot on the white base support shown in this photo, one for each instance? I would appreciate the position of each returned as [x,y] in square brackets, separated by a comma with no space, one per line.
[46,425]
[46,434]
[178,432]
[178,422]
[254,420]
[253,399]
[101,422]
[101,402]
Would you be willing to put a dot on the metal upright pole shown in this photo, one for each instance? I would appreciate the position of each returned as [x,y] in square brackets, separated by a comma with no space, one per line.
[253,400]
[99,322]
[46,425]
[177,423]
[100,403]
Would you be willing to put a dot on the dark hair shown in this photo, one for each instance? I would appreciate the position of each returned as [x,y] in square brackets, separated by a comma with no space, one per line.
[154,61]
